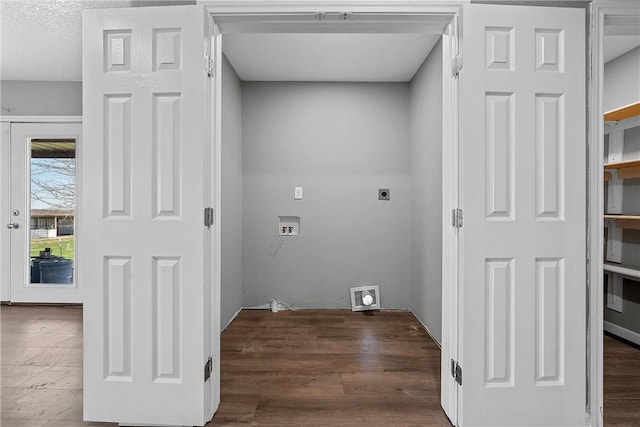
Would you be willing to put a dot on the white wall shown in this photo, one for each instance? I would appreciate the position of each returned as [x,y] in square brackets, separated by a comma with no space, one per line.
[425,98]
[621,82]
[40,98]
[341,142]
[231,209]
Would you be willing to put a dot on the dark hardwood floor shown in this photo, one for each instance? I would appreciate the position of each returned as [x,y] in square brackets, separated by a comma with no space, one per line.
[293,368]
[621,383]
[329,368]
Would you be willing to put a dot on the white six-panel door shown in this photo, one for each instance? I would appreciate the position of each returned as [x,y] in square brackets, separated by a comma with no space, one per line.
[522,162]
[145,185]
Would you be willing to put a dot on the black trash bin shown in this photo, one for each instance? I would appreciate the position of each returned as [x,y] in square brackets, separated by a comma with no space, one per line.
[47,268]
[35,264]
[59,270]
[35,270]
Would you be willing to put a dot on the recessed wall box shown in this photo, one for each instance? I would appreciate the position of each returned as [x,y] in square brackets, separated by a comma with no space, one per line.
[288,225]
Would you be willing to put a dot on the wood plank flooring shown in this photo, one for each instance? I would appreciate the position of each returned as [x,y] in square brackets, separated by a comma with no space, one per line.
[621,383]
[329,368]
[293,368]
[41,366]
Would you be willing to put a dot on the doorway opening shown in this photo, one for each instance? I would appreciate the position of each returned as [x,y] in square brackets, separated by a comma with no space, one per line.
[303,105]
[620,149]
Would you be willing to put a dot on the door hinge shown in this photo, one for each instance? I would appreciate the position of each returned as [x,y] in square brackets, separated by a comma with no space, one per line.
[457,218]
[456,372]
[208,367]
[209,217]
[456,65]
[208,65]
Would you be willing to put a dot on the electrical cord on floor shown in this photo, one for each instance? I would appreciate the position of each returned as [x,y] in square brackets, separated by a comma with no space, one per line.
[276,306]
[273,304]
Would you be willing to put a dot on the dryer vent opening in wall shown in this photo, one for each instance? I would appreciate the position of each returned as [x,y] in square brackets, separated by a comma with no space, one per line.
[365,298]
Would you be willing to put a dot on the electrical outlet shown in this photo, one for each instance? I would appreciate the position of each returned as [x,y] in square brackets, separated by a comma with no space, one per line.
[384,194]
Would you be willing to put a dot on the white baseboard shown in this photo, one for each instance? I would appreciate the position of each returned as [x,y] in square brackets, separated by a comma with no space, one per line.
[260,307]
[427,329]
[625,333]
[231,320]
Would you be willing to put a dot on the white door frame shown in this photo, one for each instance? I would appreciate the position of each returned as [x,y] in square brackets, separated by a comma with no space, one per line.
[235,11]
[5,163]
[450,201]
[450,246]
[599,9]
[5,233]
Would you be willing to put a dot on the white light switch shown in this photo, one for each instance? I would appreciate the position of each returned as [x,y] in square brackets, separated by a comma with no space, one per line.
[297,193]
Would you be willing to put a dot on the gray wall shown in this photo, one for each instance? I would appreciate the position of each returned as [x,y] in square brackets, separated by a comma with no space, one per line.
[231,209]
[35,98]
[622,87]
[629,318]
[31,98]
[341,142]
[621,82]
[425,101]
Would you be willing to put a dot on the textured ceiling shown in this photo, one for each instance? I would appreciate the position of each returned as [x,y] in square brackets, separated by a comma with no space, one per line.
[41,40]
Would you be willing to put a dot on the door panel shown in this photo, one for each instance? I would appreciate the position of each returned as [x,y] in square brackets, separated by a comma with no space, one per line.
[144,263]
[523,186]
[42,212]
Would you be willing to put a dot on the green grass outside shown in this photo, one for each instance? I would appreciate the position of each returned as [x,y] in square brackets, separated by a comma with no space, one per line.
[60,246]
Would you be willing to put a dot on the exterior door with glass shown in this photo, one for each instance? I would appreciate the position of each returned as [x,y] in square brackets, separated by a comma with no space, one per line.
[42,217]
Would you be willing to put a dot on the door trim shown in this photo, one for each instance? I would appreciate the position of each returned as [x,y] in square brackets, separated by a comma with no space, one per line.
[20,290]
[269,7]
[450,234]
[384,12]
[41,119]
[595,256]
[5,174]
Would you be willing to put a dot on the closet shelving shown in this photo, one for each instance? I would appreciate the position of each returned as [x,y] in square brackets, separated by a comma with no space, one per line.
[618,170]
[623,112]
[631,272]
[625,221]
[626,169]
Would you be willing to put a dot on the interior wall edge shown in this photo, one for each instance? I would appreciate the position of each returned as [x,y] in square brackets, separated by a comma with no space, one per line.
[426,328]
[230,210]
[426,205]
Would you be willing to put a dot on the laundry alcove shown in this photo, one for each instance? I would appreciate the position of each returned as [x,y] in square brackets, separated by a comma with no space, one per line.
[321,111]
